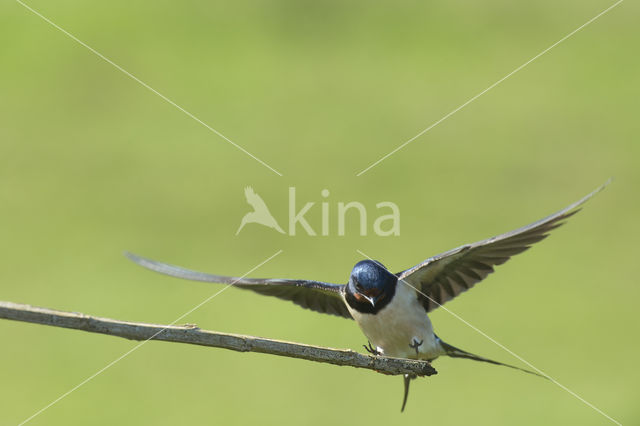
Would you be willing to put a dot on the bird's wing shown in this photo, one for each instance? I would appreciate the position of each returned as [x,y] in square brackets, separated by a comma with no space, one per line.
[255,200]
[443,277]
[318,296]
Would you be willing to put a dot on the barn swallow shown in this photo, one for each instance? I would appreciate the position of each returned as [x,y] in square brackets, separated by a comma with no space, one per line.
[392,309]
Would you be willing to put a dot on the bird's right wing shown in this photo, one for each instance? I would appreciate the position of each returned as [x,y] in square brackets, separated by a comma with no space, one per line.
[255,200]
[443,277]
[318,296]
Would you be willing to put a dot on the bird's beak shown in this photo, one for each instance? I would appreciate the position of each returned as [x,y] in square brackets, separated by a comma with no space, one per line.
[371,299]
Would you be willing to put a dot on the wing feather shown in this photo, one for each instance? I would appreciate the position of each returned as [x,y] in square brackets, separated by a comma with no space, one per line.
[314,295]
[443,277]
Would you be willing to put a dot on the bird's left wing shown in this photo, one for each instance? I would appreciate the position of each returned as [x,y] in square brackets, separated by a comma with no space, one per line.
[318,296]
[443,277]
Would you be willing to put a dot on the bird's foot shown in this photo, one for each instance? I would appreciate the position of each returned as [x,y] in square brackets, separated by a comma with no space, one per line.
[371,349]
[415,345]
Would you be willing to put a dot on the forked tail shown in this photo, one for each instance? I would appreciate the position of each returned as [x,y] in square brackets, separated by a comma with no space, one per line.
[454,352]
[407,382]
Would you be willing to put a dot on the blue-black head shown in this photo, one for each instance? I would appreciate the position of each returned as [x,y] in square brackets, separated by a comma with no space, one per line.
[371,286]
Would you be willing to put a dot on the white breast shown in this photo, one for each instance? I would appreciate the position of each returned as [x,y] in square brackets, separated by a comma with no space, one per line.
[395,327]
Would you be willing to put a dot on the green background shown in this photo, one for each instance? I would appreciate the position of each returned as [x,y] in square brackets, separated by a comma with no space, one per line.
[92,164]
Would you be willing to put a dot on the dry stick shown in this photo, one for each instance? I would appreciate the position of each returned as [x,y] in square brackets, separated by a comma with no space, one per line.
[193,335]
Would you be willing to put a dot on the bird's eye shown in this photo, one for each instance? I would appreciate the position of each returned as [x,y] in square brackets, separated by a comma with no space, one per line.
[358,286]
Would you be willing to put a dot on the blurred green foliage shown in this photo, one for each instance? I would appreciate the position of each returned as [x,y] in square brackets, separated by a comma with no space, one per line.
[92,164]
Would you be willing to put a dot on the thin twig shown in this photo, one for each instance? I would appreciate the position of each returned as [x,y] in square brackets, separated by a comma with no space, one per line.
[193,335]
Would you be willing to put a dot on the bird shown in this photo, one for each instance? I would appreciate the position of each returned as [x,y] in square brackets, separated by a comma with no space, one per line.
[392,309]
[260,213]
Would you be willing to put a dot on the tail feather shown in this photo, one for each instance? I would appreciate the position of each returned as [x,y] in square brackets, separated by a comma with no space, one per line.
[407,382]
[454,352]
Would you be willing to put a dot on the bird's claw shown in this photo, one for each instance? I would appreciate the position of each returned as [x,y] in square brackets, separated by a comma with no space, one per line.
[371,349]
[415,345]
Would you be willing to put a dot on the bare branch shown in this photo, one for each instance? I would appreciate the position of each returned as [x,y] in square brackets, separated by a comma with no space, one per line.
[193,335]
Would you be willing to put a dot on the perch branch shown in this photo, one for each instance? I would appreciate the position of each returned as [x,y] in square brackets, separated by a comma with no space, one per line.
[193,335]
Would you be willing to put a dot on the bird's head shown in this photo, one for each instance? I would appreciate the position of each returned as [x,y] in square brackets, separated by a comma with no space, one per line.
[371,286]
